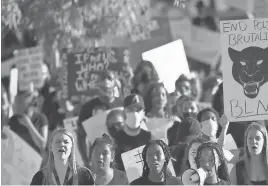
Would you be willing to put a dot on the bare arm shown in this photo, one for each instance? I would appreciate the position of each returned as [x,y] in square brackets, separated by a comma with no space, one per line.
[40,139]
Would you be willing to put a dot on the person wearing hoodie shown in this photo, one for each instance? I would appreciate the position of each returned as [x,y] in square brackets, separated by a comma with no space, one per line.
[132,135]
[185,107]
[185,133]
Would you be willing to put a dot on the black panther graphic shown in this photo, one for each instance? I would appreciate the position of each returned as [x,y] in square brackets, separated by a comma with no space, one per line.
[250,68]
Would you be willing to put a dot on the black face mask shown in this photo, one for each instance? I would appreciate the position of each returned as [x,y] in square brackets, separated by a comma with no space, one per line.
[145,78]
[113,132]
[189,114]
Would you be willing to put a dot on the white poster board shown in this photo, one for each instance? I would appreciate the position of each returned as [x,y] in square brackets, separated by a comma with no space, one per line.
[29,63]
[96,125]
[170,62]
[159,127]
[133,163]
[245,68]
[19,161]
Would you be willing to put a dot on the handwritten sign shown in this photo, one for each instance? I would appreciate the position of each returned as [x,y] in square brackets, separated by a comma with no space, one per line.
[245,55]
[133,163]
[70,124]
[158,127]
[19,161]
[82,69]
[29,64]
[169,61]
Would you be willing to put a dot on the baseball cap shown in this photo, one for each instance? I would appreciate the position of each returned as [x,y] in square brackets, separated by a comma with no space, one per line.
[134,101]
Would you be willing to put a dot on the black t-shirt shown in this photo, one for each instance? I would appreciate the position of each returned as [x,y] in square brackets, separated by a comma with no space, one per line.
[145,181]
[39,120]
[119,178]
[126,143]
[172,133]
[84,177]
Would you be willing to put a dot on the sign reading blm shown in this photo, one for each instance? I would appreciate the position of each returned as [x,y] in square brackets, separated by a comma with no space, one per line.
[244,45]
[82,69]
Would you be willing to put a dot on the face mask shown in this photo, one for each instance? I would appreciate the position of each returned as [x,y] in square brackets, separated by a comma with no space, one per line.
[133,120]
[209,128]
[145,78]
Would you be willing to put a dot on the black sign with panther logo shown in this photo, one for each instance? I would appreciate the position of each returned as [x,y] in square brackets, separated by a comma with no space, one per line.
[250,69]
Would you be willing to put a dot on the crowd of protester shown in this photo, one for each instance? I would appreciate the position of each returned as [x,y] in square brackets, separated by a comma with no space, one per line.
[196,138]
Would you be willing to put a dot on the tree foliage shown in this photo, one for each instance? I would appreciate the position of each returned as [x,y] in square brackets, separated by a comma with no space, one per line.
[76,20]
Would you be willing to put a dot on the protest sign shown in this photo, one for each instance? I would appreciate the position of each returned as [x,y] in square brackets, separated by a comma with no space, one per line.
[70,124]
[19,161]
[6,66]
[260,8]
[96,125]
[29,64]
[246,5]
[245,68]
[158,127]
[169,61]
[133,163]
[203,46]
[82,69]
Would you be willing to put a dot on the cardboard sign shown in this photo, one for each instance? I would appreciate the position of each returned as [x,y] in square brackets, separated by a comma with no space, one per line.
[203,46]
[96,125]
[133,163]
[261,8]
[83,68]
[159,127]
[19,161]
[6,66]
[169,61]
[245,56]
[29,64]
[246,5]
[70,124]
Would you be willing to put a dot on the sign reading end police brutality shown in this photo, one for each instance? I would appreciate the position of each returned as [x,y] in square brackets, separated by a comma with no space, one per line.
[244,45]
[82,69]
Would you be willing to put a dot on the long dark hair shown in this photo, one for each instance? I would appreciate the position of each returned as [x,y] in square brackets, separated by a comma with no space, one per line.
[166,151]
[137,78]
[222,171]
[148,98]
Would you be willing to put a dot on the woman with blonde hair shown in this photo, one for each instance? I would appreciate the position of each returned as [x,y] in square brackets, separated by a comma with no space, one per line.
[61,166]
[253,169]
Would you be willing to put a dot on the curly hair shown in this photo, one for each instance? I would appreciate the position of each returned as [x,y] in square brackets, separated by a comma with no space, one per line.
[137,78]
[163,145]
[222,171]
[148,98]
